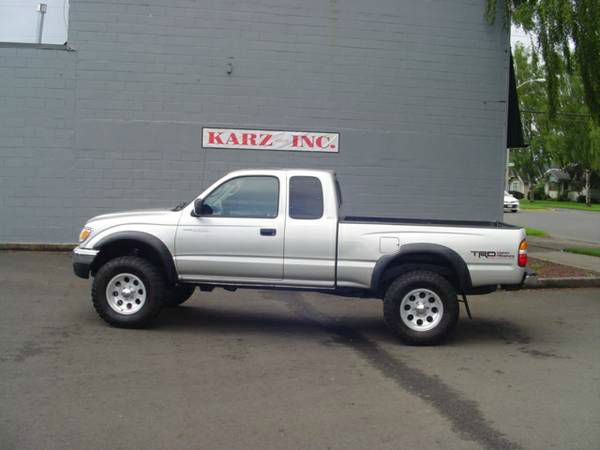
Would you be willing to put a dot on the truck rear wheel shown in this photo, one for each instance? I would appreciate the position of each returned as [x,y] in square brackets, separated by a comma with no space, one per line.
[177,295]
[421,307]
[127,292]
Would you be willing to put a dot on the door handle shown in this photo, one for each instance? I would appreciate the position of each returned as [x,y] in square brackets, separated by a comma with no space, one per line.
[268,231]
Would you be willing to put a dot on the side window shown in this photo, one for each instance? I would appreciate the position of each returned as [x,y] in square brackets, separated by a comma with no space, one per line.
[306,198]
[252,196]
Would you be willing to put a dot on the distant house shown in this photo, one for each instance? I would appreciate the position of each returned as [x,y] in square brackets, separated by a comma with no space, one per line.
[557,183]
[516,184]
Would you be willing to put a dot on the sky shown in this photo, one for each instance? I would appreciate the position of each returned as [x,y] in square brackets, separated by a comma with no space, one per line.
[517,35]
[19,21]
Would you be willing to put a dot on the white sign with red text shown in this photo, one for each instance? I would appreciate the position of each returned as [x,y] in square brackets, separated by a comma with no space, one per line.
[303,141]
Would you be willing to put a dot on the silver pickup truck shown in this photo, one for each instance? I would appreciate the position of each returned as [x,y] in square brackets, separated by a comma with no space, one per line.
[281,229]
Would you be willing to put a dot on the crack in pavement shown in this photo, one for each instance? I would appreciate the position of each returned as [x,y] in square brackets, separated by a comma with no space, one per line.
[464,414]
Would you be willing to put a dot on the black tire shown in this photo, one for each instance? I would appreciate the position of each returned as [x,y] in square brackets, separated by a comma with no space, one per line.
[177,295]
[152,280]
[420,279]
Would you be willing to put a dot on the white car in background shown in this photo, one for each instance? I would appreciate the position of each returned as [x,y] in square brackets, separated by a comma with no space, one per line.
[510,203]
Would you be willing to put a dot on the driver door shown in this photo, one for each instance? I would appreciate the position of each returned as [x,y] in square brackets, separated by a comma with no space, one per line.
[239,235]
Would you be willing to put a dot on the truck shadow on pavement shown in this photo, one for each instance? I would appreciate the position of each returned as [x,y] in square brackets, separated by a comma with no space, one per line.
[203,319]
[496,330]
[476,331]
[212,320]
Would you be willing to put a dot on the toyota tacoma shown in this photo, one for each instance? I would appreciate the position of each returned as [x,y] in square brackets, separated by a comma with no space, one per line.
[282,229]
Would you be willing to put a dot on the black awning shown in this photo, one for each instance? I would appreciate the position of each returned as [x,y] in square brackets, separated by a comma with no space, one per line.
[514,133]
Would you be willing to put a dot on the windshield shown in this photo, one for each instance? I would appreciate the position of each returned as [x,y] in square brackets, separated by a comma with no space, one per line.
[224,193]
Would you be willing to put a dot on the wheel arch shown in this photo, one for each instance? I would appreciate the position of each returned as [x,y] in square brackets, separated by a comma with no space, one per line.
[136,243]
[421,256]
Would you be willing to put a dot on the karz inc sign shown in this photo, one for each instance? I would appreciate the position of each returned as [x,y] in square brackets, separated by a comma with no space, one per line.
[303,141]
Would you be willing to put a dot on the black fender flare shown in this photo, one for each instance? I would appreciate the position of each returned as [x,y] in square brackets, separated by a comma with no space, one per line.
[454,260]
[165,256]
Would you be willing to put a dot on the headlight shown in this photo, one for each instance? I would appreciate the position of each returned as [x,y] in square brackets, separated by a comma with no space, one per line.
[84,234]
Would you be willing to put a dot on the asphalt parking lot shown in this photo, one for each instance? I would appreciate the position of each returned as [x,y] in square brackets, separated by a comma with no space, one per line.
[279,370]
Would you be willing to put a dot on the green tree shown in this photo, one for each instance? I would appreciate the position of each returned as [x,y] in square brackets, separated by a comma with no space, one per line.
[568,37]
[570,139]
[578,137]
[530,163]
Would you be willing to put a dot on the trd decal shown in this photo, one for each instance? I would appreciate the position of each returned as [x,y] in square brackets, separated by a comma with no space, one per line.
[491,254]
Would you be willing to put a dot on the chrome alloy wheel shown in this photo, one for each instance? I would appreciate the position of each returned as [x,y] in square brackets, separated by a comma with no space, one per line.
[126,294]
[421,310]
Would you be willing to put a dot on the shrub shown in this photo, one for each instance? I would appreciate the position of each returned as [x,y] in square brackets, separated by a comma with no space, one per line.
[539,192]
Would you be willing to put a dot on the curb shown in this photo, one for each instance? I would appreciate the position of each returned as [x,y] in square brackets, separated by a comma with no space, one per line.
[35,247]
[567,282]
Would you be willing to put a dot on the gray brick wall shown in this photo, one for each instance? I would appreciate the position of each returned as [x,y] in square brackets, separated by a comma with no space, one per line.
[417,91]
[37,100]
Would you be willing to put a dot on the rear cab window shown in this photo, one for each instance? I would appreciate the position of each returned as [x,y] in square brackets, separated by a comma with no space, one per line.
[306,198]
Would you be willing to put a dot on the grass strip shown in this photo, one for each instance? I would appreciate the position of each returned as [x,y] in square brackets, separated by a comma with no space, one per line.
[589,251]
[535,232]
[548,204]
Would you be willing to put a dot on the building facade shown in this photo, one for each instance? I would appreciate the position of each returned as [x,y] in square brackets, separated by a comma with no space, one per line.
[417,93]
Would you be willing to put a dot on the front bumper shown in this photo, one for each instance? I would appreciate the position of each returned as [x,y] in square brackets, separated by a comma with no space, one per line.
[82,261]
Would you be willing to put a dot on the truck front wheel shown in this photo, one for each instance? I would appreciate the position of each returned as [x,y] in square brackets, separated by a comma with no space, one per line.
[420,307]
[127,292]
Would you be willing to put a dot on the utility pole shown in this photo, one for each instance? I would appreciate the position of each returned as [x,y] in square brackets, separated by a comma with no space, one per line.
[41,8]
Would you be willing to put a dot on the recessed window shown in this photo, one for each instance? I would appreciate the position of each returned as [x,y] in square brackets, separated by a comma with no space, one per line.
[34,22]
[306,198]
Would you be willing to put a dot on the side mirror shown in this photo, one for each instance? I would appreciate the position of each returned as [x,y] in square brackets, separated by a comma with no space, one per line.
[200,209]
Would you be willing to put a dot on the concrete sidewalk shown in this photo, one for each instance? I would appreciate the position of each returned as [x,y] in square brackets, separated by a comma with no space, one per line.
[548,249]
[585,262]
